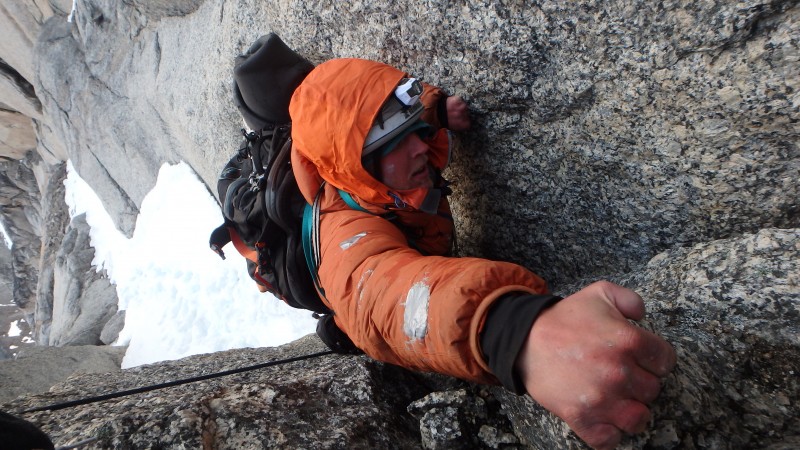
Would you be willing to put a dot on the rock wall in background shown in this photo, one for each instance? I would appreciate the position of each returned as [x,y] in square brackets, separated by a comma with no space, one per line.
[655,144]
[25,169]
[21,202]
[83,300]
[32,206]
[6,276]
[12,318]
[55,220]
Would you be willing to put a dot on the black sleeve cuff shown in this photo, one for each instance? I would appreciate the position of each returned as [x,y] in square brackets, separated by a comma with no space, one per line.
[441,111]
[506,329]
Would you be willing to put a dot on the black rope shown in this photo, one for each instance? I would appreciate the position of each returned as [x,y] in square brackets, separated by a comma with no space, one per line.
[100,398]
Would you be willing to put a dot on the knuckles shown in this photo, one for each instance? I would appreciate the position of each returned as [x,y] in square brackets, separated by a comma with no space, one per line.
[601,436]
[630,339]
[617,378]
[649,389]
[633,417]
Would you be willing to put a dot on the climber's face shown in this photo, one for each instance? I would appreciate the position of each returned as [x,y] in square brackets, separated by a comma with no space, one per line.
[406,166]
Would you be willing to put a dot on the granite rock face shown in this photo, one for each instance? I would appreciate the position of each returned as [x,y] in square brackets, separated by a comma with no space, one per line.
[730,308]
[624,134]
[83,300]
[36,369]
[21,206]
[654,144]
[60,295]
[603,136]
[327,402]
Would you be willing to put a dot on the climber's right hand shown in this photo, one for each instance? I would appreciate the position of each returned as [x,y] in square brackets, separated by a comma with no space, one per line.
[586,363]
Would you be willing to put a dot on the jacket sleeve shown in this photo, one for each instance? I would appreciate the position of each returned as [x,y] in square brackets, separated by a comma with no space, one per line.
[435,101]
[506,330]
[420,312]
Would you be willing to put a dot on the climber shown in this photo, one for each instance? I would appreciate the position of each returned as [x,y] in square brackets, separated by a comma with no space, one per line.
[362,154]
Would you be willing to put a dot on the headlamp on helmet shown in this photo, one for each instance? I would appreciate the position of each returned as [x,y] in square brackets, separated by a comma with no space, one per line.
[400,111]
[408,91]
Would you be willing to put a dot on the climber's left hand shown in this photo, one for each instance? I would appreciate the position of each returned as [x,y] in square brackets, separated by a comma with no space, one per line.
[457,114]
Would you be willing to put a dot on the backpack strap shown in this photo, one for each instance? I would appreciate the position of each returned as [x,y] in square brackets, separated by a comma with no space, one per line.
[390,216]
[311,248]
[327,330]
[351,202]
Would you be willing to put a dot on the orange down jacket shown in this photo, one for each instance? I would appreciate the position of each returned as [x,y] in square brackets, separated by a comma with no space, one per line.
[420,312]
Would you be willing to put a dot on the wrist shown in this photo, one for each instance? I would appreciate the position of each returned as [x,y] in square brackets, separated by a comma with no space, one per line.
[441,111]
[508,324]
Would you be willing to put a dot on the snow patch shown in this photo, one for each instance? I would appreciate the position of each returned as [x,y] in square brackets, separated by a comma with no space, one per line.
[14,329]
[6,238]
[72,12]
[180,297]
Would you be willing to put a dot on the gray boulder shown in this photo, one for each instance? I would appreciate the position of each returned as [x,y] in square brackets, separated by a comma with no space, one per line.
[36,369]
[112,328]
[731,309]
[466,418]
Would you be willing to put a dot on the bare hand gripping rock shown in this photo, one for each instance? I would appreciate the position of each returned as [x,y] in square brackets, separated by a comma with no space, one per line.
[587,364]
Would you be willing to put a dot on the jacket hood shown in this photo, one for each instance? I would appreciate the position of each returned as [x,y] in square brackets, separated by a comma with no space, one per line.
[332,111]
